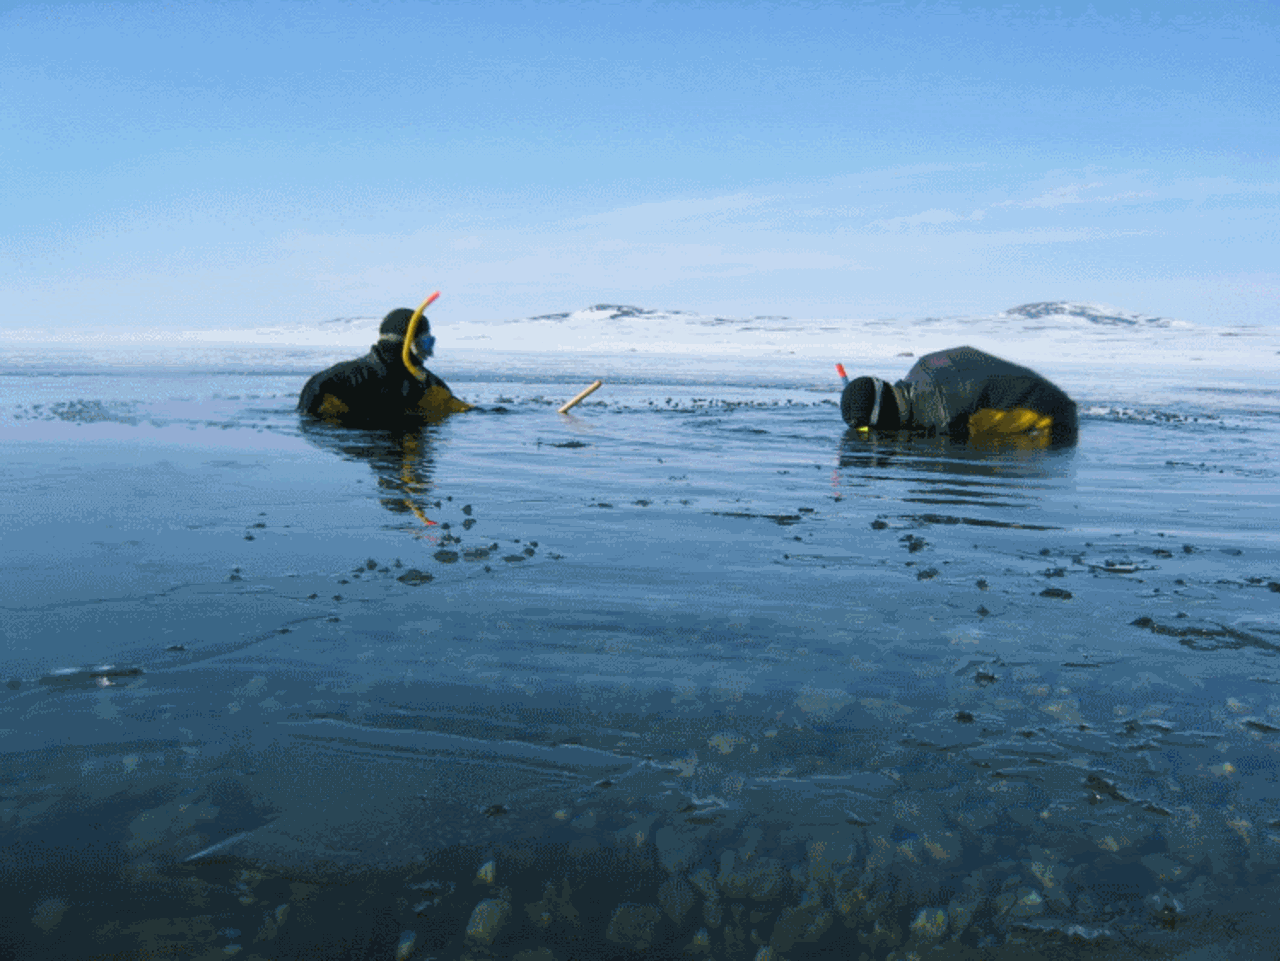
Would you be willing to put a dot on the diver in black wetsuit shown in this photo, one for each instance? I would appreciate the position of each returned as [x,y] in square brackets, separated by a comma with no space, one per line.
[963,393]
[378,389]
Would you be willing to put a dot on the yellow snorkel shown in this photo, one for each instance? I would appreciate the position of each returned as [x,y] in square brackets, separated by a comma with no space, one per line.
[412,333]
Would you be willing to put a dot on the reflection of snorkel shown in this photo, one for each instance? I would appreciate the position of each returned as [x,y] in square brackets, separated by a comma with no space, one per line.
[408,456]
[411,334]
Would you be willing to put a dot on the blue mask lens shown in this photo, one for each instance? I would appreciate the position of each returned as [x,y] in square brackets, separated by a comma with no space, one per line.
[424,346]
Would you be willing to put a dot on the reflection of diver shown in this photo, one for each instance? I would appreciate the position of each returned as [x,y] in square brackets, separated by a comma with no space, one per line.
[385,387]
[1018,455]
[999,472]
[402,461]
[967,395]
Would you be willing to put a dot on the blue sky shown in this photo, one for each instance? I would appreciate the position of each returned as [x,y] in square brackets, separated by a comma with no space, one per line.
[234,164]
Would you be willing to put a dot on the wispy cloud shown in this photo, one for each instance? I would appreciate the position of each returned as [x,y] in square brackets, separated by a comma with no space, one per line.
[1127,195]
[1137,187]
[1067,194]
[934,217]
[666,212]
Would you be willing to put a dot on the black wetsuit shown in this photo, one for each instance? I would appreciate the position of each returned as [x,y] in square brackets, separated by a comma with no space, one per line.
[376,390]
[944,389]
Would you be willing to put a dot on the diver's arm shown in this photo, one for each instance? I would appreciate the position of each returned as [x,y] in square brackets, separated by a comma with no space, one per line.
[902,391]
[331,407]
[320,398]
[437,398]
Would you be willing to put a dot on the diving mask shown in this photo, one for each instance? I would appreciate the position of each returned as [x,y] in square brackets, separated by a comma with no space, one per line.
[424,346]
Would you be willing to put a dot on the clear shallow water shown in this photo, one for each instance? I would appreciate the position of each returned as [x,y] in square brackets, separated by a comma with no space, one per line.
[834,658]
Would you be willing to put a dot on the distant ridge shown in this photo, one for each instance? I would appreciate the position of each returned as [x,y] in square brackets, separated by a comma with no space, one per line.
[611,327]
[1093,313]
[1072,312]
[348,322]
[600,312]
[612,312]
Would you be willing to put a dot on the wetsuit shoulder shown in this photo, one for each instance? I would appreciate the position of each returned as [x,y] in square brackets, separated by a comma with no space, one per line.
[344,387]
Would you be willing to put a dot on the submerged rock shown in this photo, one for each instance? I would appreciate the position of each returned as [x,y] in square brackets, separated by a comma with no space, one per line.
[633,926]
[404,950]
[48,914]
[760,878]
[930,924]
[487,920]
[807,922]
[676,897]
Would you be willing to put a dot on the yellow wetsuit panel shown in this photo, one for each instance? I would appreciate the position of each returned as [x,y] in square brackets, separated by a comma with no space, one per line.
[332,407]
[438,400]
[1018,420]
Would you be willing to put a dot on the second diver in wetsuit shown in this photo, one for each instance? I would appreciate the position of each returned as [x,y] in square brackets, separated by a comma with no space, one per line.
[963,393]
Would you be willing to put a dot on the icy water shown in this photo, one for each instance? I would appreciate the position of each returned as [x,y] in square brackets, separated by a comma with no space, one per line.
[690,672]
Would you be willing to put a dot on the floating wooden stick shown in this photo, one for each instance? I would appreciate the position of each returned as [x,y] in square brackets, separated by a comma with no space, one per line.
[586,393]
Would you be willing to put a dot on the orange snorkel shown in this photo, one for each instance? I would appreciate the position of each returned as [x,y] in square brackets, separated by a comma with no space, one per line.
[411,334]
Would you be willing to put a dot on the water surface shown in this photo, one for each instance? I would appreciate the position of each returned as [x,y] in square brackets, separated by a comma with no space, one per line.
[727,674]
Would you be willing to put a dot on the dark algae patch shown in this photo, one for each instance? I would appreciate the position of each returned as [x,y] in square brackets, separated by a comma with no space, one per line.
[1211,637]
[414,577]
[783,520]
[976,522]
